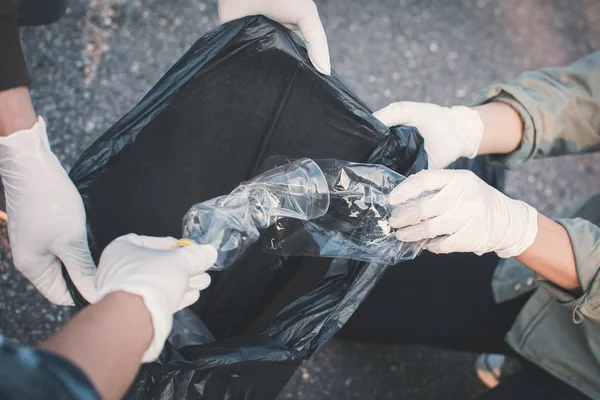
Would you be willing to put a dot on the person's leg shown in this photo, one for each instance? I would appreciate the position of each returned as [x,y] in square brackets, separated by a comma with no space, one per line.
[438,300]
[532,383]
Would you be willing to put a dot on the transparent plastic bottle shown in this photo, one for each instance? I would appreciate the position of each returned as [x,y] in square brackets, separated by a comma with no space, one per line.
[356,225]
[231,223]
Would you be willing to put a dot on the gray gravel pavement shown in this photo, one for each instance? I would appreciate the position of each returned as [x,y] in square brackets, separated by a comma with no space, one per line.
[100,59]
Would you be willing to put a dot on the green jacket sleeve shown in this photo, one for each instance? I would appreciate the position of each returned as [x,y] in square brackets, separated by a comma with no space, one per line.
[560,110]
[559,107]
[585,238]
[584,231]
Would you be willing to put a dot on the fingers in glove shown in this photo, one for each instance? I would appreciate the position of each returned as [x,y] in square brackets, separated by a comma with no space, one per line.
[418,210]
[409,113]
[311,28]
[400,113]
[78,261]
[199,282]
[420,183]
[195,286]
[447,244]
[199,258]
[232,9]
[445,224]
[52,285]
[149,242]
[188,299]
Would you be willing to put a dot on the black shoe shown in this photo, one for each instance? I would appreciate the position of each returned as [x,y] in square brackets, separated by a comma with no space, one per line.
[40,12]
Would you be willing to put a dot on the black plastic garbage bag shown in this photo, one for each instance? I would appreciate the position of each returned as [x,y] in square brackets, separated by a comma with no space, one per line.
[242,93]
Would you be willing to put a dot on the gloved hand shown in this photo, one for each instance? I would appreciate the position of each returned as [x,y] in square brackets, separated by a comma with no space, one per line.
[167,279]
[299,15]
[46,218]
[461,213]
[449,133]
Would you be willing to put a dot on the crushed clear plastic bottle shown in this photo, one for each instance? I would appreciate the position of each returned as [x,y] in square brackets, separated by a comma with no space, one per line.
[323,208]
[356,225]
[231,223]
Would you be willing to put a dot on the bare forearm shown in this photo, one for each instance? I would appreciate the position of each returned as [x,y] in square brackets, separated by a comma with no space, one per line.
[503,128]
[107,341]
[551,254]
[16,111]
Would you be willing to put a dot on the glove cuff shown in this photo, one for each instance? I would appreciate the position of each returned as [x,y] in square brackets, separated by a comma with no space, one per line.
[530,229]
[470,127]
[162,322]
[27,139]
[18,149]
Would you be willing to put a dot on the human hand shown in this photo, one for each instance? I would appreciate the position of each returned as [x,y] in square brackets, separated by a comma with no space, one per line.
[299,15]
[449,133]
[46,217]
[167,279]
[461,213]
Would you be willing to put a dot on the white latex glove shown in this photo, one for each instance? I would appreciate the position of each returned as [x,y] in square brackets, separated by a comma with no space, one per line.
[167,279]
[461,213]
[449,133]
[299,15]
[46,217]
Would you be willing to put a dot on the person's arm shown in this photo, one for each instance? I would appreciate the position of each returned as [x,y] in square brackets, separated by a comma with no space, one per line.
[46,216]
[542,113]
[97,353]
[502,128]
[566,252]
[551,254]
[16,110]
[142,281]
[107,341]
[455,211]
[13,70]
[558,112]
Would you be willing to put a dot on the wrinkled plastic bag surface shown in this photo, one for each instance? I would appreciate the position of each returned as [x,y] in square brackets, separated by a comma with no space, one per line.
[242,93]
